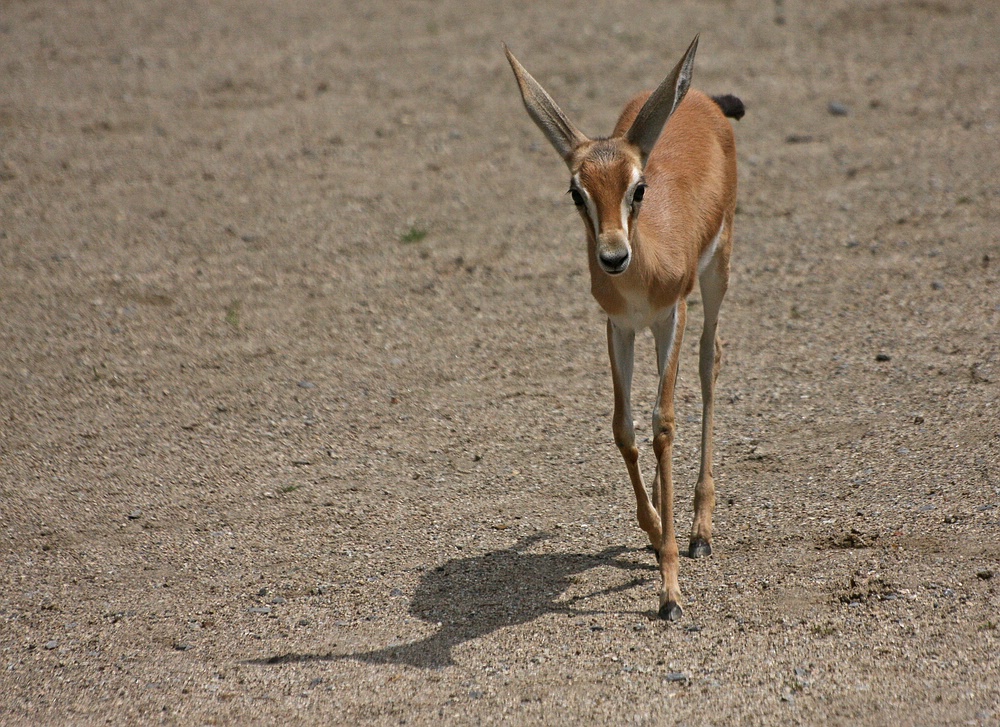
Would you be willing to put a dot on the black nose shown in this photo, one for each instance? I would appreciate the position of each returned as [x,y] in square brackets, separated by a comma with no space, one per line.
[614,262]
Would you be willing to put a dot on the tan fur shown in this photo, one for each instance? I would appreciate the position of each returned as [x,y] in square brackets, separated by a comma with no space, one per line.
[655,249]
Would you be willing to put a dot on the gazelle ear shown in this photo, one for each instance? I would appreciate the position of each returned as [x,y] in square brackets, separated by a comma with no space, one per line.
[543,110]
[653,115]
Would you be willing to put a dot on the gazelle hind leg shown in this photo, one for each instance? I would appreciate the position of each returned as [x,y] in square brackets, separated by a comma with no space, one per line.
[714,280]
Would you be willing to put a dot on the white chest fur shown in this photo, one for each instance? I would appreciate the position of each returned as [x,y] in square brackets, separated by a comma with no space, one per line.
[639,314]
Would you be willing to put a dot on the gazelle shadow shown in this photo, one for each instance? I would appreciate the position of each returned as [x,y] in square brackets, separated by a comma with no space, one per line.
[472,597]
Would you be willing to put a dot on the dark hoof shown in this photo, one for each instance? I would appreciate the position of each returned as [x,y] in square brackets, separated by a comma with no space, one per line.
[700,548]
[670,611]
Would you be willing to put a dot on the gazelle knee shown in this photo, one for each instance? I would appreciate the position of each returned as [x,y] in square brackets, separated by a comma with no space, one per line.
[664,432]
[624,434]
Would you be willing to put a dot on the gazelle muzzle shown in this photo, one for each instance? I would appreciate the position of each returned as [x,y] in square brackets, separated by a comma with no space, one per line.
[613,253]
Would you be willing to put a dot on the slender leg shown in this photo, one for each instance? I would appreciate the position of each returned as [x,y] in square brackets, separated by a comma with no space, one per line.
[621,350]
[668,335]
[714,280]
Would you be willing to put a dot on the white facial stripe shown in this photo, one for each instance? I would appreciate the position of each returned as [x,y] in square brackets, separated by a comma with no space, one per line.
[626,208]
[589,203]
[627,200]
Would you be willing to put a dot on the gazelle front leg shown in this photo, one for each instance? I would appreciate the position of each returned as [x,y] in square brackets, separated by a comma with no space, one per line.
[668,334]
[621,351]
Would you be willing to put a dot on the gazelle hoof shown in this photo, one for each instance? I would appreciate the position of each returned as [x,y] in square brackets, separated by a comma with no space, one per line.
[700,548]
[670,611]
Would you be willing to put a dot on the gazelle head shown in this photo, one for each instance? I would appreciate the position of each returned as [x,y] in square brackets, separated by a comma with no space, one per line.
[607,183]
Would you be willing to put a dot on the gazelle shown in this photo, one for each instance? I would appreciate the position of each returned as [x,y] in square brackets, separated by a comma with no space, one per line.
[657,199]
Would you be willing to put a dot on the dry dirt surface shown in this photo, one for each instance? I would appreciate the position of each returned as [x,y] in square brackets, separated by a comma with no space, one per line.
[305,406]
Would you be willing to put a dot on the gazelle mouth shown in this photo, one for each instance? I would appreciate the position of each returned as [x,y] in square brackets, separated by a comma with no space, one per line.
[612,269]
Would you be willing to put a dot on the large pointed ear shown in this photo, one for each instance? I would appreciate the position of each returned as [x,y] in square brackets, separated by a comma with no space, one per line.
[653,115]
[543,110]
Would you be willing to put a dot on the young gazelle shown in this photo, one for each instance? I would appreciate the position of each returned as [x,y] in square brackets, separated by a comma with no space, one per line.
[657,199]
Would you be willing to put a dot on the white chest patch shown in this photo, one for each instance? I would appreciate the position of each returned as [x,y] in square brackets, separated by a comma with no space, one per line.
[638,313]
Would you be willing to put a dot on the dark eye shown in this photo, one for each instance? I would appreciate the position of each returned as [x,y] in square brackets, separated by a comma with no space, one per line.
[639,193]
[577,197]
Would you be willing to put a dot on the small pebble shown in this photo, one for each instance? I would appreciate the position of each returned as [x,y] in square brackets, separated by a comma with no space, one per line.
[183,646]
[676,676]
[307,385]
[265,610]
[135,515]
[838,109]
[51,644]
[278,601]
[883,357]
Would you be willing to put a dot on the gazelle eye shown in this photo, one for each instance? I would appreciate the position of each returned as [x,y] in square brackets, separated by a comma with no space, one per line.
[577,197]
[638,193]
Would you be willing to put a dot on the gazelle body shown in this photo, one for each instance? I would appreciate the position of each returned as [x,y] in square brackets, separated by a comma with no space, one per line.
[657,200]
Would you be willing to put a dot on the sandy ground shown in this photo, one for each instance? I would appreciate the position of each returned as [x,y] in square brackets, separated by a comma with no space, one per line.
[305,407]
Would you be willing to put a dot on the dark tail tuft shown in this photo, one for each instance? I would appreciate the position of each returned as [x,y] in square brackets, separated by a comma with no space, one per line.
[731,106]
